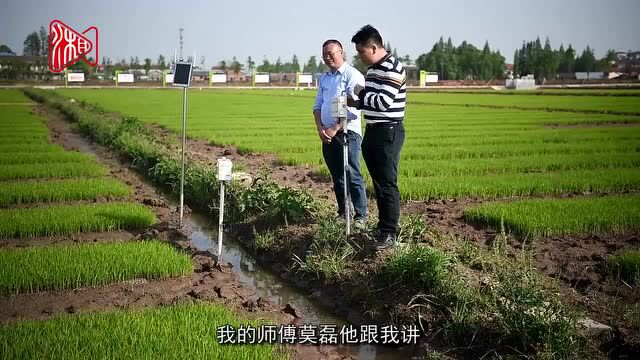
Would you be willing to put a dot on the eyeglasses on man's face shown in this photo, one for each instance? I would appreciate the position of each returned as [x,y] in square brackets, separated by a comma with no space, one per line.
[330,54]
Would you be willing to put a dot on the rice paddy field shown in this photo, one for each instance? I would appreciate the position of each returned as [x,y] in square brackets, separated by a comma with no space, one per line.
[458,145]
[49,198]
[555,166]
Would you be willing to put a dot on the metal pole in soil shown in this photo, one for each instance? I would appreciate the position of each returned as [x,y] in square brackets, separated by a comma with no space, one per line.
[345,170]
[220,220]
[184,139]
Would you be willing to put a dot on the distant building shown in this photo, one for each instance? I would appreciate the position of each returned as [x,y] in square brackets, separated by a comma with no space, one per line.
[17,67]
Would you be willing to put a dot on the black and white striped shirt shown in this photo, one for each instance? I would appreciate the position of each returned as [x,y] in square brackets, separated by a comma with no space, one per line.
[384,96]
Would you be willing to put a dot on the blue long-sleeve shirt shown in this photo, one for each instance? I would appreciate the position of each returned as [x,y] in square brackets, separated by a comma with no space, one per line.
[332,84]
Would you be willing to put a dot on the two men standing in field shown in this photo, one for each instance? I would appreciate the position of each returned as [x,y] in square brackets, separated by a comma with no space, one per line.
[382,101]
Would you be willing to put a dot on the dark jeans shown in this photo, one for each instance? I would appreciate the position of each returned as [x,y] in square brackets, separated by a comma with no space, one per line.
[333,156]
[381,151]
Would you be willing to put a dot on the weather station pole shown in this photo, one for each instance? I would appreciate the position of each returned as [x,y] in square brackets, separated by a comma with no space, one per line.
[182,77]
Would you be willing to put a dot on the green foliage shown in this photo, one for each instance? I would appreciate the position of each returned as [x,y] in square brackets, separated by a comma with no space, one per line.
[547,217]
[625,265]
[329,254]
[530,315]
[171,332]
[412,229]
[421,266]
[462,62]
[14,158]
[73,219]
[52,170]
[129,137]
[74,266]
[60,190]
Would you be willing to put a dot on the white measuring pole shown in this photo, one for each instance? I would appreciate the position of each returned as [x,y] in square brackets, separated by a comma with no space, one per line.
[220,221]
[345,170]
[224,174]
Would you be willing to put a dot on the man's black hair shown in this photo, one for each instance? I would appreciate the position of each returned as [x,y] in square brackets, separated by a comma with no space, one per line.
[332,41]
[366,36]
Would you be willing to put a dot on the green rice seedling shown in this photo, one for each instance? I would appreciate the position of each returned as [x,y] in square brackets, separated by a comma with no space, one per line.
[60,190]
[73,219]
[29,148]
[53,170]
[442,142]
[45,158]
[172,332]
[74,266]
[625,265]
[13,96]
[547,217]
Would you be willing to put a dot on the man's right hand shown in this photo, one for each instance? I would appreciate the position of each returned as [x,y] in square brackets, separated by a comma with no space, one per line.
[324,137]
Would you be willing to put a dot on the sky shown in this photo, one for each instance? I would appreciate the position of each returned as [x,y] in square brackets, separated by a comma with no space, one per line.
[220,30]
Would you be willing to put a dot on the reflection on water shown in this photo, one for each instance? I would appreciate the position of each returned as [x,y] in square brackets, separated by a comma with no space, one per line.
[265,284]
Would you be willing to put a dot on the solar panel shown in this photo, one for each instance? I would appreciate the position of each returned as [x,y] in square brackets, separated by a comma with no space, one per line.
[182,75]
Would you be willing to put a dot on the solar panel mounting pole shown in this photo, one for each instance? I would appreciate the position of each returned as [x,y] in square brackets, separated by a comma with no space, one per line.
[180,80]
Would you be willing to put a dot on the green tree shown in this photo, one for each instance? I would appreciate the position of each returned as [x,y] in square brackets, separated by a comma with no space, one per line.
[44,41]
[587,61]
[311,66]
[4,48]
[266,66]
[147,65]
[32,45]
[250,65]
[222,65]
[295,64]
[235,65]
[567,61]
[161,62]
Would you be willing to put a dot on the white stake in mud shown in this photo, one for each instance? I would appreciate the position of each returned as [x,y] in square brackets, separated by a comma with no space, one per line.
[339,112]
[182,78]
[224,174]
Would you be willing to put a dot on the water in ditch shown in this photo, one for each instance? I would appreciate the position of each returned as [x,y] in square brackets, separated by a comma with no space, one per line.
[204,236]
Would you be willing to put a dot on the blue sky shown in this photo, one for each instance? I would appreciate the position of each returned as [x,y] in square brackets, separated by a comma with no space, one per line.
[220,30]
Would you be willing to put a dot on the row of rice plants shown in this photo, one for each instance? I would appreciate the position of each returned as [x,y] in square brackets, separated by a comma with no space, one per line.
[73,219]
[540,217]
[520,164]
[60,190]
[14,158]
[74,266]
[590,103]
[282,124]
[30,148]
[52,170]
[531,184]
[172,332]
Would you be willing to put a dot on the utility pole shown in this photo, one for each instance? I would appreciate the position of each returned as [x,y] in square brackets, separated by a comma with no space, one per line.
[181,30]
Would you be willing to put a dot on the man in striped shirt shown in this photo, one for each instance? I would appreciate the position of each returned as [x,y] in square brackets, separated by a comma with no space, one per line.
[382,102]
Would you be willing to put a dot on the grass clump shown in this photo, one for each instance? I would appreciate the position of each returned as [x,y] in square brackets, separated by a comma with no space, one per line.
[625,265]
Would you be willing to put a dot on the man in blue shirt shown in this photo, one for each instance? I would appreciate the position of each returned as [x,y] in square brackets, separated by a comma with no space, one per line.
[340,78]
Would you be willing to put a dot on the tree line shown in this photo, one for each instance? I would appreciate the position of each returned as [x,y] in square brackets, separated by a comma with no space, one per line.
[451,62]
